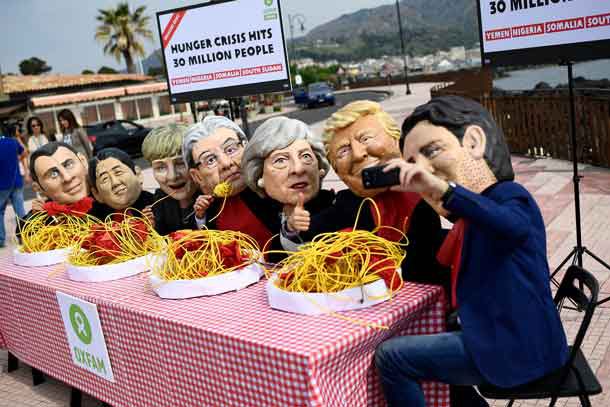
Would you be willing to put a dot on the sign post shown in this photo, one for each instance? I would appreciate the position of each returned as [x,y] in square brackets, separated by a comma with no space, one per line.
[527,32]
[224,49]
[85,336]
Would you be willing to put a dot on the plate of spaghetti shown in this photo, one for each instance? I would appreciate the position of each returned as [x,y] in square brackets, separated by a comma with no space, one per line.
[206,262]
[119,247]
[337,271]
[48,240]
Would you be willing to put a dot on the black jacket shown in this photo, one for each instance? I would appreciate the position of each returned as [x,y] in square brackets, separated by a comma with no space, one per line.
[170,217]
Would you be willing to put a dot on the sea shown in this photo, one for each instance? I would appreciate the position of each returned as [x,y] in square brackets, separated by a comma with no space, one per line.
[526,79]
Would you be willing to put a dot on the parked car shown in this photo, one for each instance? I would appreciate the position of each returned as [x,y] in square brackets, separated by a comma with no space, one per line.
[221,107]
[300,96]
[320,93]
[123,134]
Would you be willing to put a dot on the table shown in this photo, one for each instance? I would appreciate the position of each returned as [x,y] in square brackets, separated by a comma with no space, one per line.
[226,350]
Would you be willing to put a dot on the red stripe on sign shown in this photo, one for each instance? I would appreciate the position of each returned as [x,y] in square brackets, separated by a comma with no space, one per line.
[599,20]
[527,30]
[171,27]
[564,25]
[499,34]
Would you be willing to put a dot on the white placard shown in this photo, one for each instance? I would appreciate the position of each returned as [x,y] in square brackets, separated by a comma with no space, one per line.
[224,49]
[508,25]
[85,335]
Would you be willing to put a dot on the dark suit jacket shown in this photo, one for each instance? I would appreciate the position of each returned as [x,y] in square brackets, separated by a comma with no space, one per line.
[509,322]
[170,217]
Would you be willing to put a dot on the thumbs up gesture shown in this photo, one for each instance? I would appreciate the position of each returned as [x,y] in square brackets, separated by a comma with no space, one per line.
[298,218]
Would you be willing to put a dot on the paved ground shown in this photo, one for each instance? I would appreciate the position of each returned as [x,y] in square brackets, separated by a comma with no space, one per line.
[551,183]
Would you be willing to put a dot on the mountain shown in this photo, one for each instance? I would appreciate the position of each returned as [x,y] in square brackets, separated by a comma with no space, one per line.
[154,61]
[428,25]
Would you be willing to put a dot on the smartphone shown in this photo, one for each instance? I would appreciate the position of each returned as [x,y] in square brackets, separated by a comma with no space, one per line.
[374,177]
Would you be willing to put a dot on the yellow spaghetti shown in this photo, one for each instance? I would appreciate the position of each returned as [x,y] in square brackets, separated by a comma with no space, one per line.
[204,253]
[336,261]
[223,190]
[41,232]
[116,241]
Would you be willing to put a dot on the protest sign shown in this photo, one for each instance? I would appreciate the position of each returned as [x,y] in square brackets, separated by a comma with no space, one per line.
[85,336]
[224,49]
[536,31]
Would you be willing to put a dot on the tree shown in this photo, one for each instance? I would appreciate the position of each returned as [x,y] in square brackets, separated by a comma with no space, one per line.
[156,71]
[33,66]
[87,72]
[107,69]
[122,33]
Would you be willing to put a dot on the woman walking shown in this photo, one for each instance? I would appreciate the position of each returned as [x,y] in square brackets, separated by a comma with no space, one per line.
[36,137]
[73,134]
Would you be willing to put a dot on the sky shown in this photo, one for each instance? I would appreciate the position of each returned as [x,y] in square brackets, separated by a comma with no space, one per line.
[61,32]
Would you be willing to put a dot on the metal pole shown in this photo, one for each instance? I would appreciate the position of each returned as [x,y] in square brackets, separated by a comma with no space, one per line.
[291,36]
[244,117]
[194,111]
[402,46]
[576,178]
[299,18]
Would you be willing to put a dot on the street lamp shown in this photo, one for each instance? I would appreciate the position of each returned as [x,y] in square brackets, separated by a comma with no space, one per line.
[402,46]
[292,19]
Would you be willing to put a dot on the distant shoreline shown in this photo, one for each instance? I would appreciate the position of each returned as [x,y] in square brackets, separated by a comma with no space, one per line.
[526,79]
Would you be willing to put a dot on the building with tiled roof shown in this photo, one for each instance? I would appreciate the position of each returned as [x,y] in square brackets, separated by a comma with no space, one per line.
[16,84]
[92,98]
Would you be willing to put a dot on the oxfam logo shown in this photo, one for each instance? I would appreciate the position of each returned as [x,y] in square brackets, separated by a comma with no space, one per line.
[80,324]
[268,3]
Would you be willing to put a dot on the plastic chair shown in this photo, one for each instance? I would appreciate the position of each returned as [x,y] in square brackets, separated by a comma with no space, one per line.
[575,378]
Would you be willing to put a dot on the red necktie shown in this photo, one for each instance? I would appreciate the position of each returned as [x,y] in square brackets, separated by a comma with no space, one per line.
[450,254]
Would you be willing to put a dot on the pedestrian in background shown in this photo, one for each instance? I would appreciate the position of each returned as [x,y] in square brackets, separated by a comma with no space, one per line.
[73,134]
[36,137]
[11,181]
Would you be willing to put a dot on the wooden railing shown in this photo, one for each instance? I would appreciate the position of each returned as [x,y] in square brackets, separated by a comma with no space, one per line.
[474,84]
[537,122]
[534,122]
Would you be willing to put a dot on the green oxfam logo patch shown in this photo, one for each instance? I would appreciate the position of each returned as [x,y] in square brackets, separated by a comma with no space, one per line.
[268,3]
[80,324]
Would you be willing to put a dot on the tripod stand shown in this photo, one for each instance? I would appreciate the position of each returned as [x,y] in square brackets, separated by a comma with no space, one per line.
[577,252]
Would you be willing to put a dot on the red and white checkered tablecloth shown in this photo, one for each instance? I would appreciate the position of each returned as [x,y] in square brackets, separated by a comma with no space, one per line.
[226,350]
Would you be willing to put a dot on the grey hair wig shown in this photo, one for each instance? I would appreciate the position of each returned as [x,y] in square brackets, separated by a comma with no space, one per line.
[275,134]
[204,129]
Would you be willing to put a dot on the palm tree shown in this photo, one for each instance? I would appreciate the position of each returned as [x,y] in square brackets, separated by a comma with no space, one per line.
[122,32]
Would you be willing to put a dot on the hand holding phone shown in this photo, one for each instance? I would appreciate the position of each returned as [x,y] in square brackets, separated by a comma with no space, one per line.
[375,177]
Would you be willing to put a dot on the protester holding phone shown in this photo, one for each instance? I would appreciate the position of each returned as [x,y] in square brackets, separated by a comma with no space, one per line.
[358,138]
[455,155]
